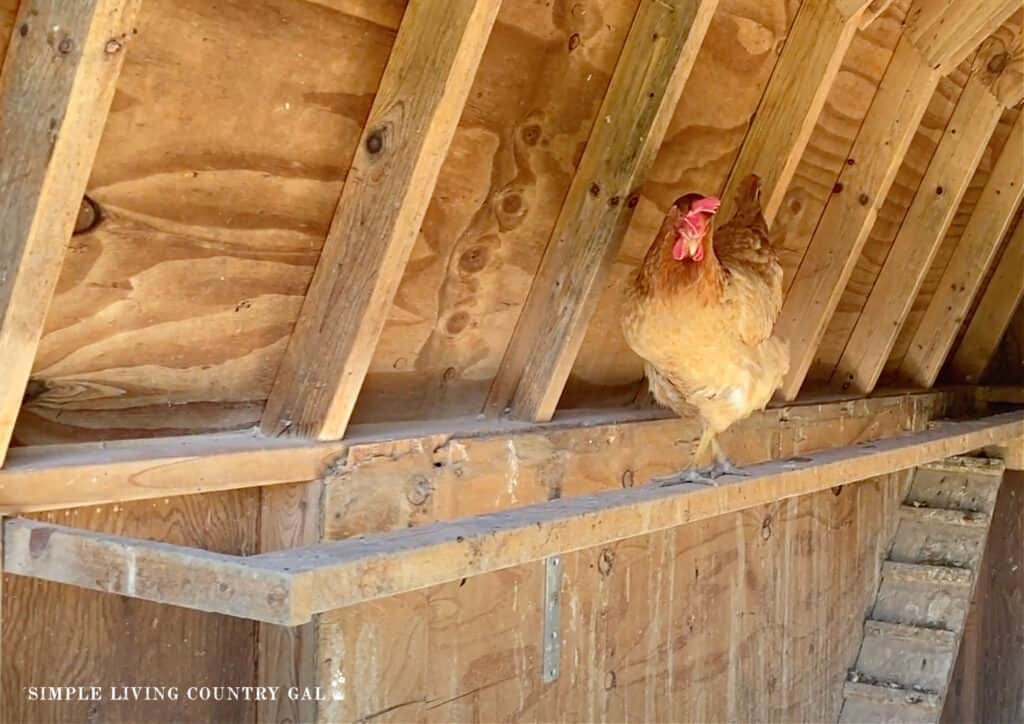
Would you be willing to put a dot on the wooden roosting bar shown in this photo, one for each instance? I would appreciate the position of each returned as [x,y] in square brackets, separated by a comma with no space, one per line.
[314,381]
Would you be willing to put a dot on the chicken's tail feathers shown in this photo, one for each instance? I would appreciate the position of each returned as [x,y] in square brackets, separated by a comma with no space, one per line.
[748,194]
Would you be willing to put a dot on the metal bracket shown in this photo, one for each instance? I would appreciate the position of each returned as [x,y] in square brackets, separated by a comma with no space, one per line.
[552,618]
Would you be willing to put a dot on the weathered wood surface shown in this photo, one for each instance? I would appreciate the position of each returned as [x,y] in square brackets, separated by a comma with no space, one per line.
[56,88]
[288,587]
[873,12]
[387,190]
[634,116]
[991,319]
[77,637]
[988,683]
[975,251]
[851,212]
[923,229]
[743,617]
[54,477]
[788,113]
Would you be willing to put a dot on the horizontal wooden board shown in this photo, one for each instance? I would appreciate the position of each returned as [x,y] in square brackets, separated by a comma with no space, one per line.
[288,587]
[53,477]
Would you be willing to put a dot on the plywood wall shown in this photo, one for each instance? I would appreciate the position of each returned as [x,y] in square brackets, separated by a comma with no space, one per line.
[750,616]
[56,635]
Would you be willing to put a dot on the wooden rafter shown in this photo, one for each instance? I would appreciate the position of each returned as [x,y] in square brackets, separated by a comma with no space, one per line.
[995,311]
[957,157]
[850,213]
[64,476]
[288,587]
[411,124]
[948,31]
[814,51]
[56,88]
[873,12]
[663,41]
[978,245]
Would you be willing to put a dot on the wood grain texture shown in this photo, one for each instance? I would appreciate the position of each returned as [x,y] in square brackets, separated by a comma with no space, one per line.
[704,137]
[920,235]
[685,625]
[991,319]
[171,316]
[664,40]
[789,111]
[891,220]
[287,657]
[975,251]
[288,587]
[56,87]
[55,633]
[1000,60]
[987,682]
[411,124]
[946,32]
[8,11]
[849,215]
[949,244]
[55,477]
[873,11]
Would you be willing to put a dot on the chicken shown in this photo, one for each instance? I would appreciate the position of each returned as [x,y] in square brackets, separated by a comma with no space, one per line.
[700,311]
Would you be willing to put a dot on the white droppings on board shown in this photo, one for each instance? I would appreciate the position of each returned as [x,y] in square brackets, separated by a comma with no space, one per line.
[512,477]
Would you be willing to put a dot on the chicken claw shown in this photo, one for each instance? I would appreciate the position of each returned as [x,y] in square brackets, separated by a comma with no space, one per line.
[704,476]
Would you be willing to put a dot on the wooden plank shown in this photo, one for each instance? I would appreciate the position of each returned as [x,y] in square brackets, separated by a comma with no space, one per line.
[290,516]
[947,32]
[873,12]
[288,587]
[850,213]
[851,8]
[56,88]
[974,254]
[789,111]
[992,317]
[1000,60]
[924,227]
[110,641]
[411,124]
[65,476]
[636,110]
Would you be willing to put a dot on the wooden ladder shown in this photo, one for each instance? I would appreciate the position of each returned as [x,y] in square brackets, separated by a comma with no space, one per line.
[913,631]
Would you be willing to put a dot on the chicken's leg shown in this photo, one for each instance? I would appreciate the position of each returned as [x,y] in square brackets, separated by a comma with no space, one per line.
[722,465]
[703,476]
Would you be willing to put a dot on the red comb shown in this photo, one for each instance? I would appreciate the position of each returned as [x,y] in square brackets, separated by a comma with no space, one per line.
[707,205]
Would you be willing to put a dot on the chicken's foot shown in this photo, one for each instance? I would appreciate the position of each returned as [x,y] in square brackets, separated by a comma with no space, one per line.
[703,476]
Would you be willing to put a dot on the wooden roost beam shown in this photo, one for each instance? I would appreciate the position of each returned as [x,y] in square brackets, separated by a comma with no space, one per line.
[648,80]
[873,12]
[965,272]
[56,88]
[789,110]
[956,159]
[995,311]
[411,124]
[850,213]
[288,587]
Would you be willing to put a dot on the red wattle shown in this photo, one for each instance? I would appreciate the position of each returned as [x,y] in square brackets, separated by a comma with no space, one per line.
[699,254]
[679,251]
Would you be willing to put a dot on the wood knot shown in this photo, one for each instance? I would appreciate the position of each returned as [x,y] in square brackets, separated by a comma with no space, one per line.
[628,479]
[574,41]
[420,490]
[838,188]
[113,46]
[766,528]
[864,199]
[614,201]
[88,216]
[605,562]
[633,200]
[531,134]
[375,142]
[939,191]
[997,63]
[65,46]
[457,322]
[474,259]
[595,189]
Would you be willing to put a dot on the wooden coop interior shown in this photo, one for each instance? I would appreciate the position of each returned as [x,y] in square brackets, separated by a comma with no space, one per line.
[313,373]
